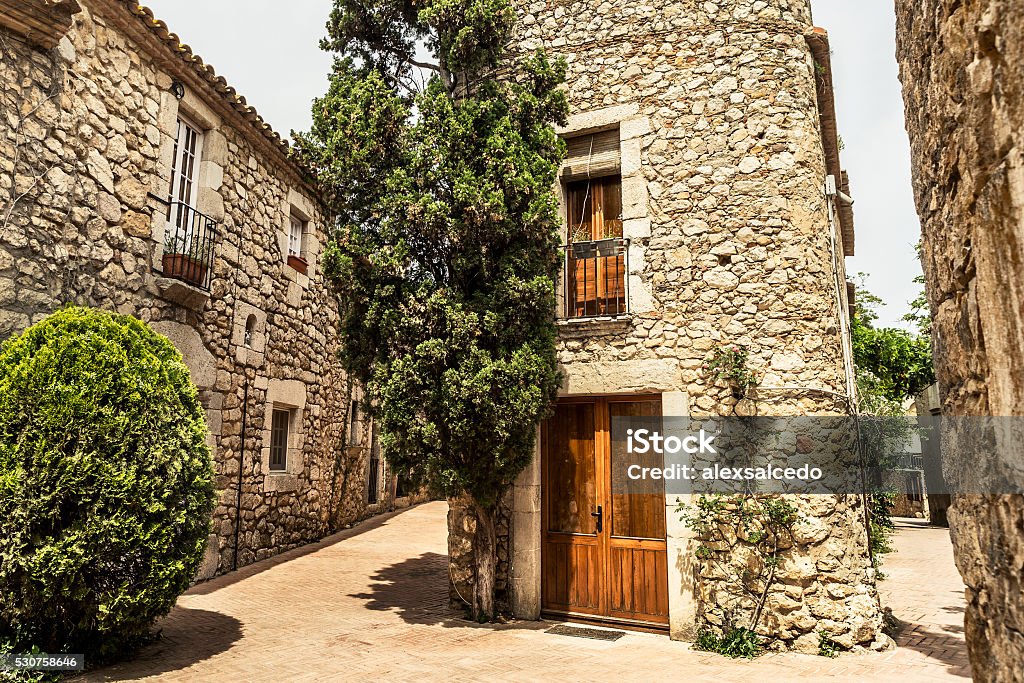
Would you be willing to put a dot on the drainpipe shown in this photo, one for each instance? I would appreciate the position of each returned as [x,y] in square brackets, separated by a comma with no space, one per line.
[241,460]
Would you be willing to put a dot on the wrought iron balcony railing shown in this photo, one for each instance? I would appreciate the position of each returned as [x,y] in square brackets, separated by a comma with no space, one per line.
[189,240]
[596,278]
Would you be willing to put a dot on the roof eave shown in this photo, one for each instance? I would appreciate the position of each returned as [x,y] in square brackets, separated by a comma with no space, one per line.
[817,40]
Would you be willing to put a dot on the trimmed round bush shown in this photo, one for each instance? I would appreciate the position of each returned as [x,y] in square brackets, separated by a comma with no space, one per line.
[106,483]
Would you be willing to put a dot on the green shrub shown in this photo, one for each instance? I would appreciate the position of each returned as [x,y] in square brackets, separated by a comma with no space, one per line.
[735,642]
[828,647]
[105,483]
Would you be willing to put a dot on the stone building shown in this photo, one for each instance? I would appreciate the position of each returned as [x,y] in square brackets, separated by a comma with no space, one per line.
[134,179]
[963,87]
[700,213]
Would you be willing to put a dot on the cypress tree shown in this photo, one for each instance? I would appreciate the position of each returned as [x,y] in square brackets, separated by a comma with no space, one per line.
[440,174]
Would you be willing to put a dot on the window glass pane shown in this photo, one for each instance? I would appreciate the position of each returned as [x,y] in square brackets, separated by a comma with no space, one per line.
[611,207]
[596,272]
[295,237]
[580,203]
[279,439]
[639,513]
[571,469]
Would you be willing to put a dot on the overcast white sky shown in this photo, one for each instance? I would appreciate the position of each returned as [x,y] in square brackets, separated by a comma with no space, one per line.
[272,58]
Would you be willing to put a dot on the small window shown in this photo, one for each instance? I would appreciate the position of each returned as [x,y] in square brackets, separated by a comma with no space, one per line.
[250,329]
[353,424]
[279,426]
[296,231]
[373,478]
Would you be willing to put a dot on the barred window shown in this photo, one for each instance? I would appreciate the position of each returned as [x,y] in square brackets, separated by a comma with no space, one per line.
[279,426]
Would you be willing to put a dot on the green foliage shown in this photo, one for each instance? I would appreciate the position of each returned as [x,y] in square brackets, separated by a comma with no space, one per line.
[828,647]
[445,252]
[734,643]
[730,363]
[900,362]
[105,483]
[920,312]
[881,502]
[742,536]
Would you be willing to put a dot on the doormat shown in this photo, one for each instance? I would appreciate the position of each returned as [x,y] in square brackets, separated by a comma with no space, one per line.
[581,632]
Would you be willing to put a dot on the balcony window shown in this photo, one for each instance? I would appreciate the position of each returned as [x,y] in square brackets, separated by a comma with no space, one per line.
[596,251]
[189,235]
[296,235]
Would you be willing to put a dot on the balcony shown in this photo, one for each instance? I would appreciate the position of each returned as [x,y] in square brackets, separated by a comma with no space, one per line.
[189,242]
[596,280]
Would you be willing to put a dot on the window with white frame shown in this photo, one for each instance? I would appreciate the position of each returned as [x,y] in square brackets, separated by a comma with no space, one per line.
[280,425]
[297,229]
[189,236]
[188,152]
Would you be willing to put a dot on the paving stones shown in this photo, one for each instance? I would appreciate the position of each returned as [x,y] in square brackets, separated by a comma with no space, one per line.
[371,603]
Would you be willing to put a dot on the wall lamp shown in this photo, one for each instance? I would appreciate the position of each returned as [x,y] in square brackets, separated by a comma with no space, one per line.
[177,89]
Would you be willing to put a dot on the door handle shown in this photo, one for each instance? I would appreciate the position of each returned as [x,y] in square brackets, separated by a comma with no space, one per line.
[600,517]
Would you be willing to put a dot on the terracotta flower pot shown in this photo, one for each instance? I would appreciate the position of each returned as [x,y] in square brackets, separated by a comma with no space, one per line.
[184,267]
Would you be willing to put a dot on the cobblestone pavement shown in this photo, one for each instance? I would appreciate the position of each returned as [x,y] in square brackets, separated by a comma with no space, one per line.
[371,604]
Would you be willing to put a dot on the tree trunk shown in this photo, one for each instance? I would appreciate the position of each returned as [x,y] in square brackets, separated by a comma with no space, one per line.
[485,556]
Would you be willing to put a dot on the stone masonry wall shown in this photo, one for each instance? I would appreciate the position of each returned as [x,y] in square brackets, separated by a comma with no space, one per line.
[732,242]
[86,132]
[963,85]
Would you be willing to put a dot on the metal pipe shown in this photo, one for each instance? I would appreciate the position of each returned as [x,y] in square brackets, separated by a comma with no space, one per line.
[241,461]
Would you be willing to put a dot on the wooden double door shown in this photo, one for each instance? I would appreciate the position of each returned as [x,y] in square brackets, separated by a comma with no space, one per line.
[603,554]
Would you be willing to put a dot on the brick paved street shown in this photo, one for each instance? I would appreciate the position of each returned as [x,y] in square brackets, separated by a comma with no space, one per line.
[371,604]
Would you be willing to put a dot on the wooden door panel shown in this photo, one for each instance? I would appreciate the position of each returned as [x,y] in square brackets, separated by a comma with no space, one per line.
[638,584]
[571,557]
[571,469]
[618,570]
[572,575]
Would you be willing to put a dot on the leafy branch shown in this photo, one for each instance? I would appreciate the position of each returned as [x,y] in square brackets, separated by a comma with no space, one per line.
[742,537]
[729,363]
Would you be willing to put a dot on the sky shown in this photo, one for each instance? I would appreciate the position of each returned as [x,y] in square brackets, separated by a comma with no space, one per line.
[272,57]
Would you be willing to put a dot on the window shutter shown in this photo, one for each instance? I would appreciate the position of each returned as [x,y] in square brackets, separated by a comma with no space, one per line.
[592,156]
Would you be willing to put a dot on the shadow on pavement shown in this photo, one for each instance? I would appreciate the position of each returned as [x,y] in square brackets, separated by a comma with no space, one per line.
[187,636]
[417,590]
[945,645]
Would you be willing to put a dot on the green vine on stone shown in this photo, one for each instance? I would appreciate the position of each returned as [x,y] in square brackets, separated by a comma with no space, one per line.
[741,537]
[729,363]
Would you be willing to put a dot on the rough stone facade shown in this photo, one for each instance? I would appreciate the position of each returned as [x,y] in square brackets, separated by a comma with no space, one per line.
[87,134]
[960,64]
[461,531]
[726,136]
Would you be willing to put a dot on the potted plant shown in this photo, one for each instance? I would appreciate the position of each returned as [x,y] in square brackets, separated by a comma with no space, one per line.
[183,259]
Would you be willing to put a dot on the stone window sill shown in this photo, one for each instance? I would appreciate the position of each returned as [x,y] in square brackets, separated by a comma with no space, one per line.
[588,327]
[280,481]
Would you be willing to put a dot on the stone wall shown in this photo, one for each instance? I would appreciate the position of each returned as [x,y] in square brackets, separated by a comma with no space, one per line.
[960,64]
[87,131]
[733,241]
[461,531]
